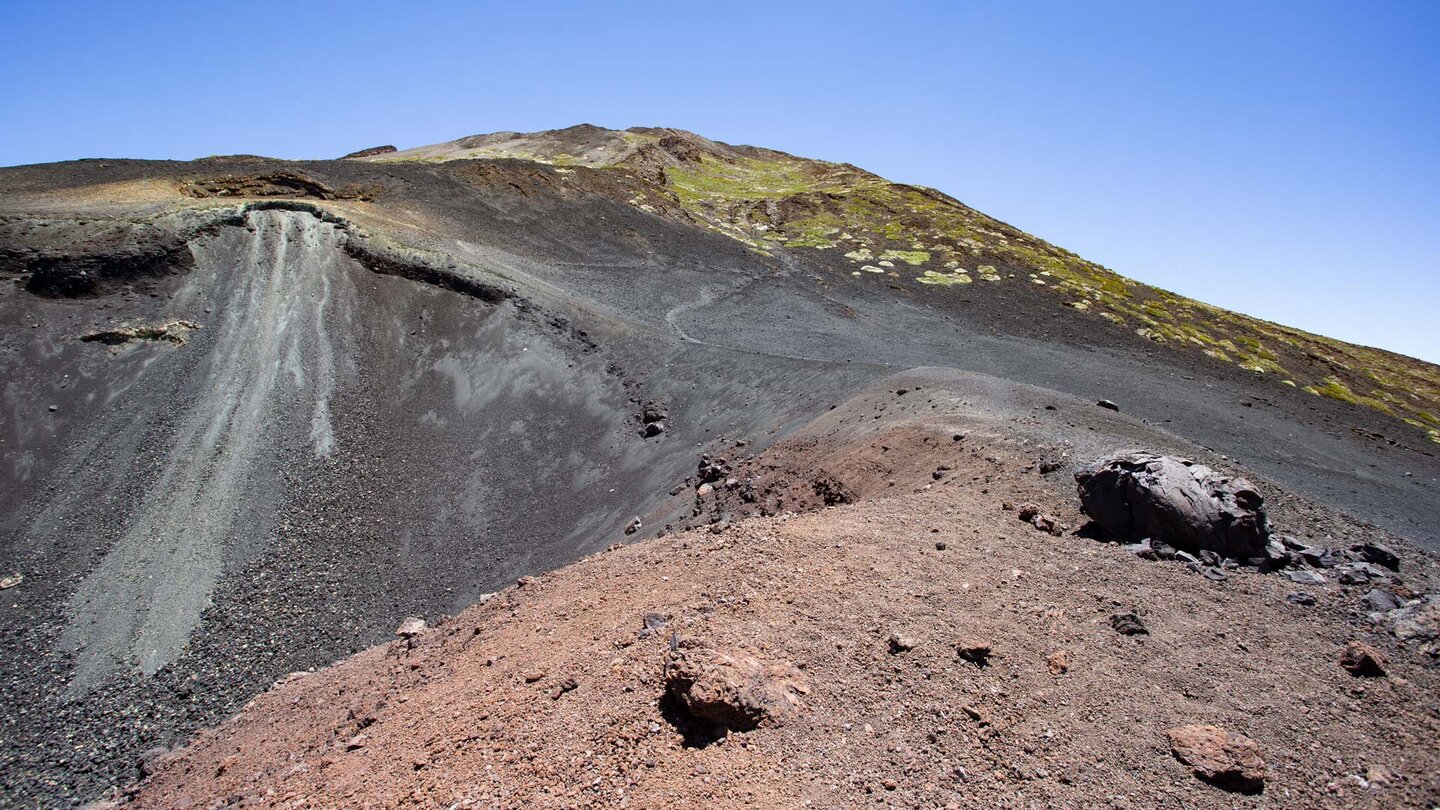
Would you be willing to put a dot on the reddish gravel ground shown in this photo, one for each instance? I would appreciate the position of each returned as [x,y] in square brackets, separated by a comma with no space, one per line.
[548,694]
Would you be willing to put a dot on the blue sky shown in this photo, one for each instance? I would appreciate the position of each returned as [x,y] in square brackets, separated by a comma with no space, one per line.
[1281,159]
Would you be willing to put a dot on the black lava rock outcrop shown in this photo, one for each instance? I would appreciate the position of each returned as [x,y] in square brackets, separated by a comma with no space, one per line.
[1139,495]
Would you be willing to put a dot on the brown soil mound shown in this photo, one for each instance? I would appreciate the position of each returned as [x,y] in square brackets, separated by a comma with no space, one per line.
[552,693]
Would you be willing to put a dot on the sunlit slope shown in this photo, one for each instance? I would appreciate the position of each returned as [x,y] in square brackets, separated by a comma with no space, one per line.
[863,224]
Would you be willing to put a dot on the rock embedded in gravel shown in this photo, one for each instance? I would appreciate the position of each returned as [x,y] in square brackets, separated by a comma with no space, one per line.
[1222,758]
[1137,495]
[1059,662]
[1305,577]
[1129,624]
[1381,601]
[900,642]
[411,627]
[975,651]
[1300,598]
[1362,660]
[1030,513]
[1378,555]
[733,690]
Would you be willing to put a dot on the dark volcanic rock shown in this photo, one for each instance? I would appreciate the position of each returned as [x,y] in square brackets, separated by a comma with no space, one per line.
[372,151]
[1138,495]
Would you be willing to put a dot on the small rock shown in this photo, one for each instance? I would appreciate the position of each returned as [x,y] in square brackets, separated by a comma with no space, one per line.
[1378,554]
[534,675]
[567,685]
[634,526]
[1377,601]
[652,430]
[1108,405]
[1222,758]
[976,714]
[655,621]
[54,408]
[703,491]
[1214,574]
[940,545]
[1129,624]
[1300,598]
[1305,577]
[356,742]
[411,627]
[1362,660]
[1142,549]
[1379,776]
[976,652]
[6,583]
[899,643]
[1058,662]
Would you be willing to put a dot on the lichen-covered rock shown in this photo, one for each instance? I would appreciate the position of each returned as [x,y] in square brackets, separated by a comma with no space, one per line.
[1187,505]
[731,689]
[1223,758]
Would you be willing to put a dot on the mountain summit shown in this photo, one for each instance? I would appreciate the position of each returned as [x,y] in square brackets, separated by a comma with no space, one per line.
[768,199]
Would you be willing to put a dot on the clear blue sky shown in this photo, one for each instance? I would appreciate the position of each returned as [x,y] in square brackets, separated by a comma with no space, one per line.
[1281,159]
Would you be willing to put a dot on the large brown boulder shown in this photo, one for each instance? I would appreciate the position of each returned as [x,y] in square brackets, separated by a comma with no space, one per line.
[1139,495]
[732,690]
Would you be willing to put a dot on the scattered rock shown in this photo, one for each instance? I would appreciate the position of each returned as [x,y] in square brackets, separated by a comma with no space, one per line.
[899,643]
[652,429]
[534,675]
[1138,495]
[1143,550]
[1300,598]
[6,583]
[1378,555]
[1379,776]
[655,621]
[1419,623]
[1379,601]
[634,526]
[976,652]
[1222,758]
[1030,513]
[1108,405]
[567,685]
[1362,660]
[1305,577]
[1129,624]
[411,627]
[940,545]
[1058,662]
[733,690]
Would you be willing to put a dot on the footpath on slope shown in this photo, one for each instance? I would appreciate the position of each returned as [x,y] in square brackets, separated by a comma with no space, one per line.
[939,652]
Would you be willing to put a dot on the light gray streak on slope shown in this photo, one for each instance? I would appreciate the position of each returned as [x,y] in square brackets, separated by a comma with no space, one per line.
[139,605]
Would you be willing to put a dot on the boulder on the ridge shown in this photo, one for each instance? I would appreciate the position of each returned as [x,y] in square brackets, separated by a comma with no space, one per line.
[1140,495]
